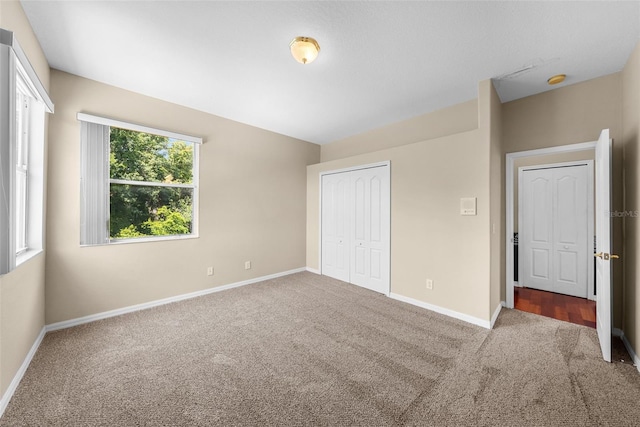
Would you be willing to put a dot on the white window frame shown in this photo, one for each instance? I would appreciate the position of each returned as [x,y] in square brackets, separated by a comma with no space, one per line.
[20,238]
[105,204]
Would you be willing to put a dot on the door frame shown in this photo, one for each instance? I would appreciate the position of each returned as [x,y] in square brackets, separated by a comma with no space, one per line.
[509,202]
[591,295]
[386,163]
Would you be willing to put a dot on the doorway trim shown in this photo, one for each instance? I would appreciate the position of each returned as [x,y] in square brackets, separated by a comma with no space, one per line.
[509,202]
[386,163]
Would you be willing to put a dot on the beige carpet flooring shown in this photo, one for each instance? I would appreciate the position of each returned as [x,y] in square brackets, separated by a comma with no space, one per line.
[310,350]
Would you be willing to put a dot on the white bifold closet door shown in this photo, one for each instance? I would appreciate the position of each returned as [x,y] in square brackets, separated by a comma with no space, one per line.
[335,226]
[355,227]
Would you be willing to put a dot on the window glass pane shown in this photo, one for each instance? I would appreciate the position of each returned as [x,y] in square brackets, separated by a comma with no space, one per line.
[21,210]
[139,211]
[19,102]
[139,156]
[22,143]
[22,127]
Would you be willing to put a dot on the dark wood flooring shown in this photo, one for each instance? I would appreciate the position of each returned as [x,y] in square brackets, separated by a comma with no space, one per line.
[580,311]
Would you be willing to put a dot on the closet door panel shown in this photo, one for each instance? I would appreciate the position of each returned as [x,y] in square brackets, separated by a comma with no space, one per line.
[335,226]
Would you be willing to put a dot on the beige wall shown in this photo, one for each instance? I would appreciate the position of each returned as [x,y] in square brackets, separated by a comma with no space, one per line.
[429,237]
[252,207]
[569,115]
[447,121]
[631,138]
[22,290]
[22,314]
[491,125]
[13,18]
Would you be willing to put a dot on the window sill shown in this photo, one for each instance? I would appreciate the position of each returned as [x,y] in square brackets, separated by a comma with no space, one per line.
[27,255]
[144,240]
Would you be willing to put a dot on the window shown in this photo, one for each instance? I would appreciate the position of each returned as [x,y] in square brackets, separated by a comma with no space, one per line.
[151,185]
[138,183]
[22,114]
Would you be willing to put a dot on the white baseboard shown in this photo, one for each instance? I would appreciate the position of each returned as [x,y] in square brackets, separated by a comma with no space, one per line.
[634,357]
[132,308]
[18,376]
[496,313]
[461,316]
[313,270]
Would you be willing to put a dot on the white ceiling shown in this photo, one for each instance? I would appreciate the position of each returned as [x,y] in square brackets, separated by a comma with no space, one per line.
[380,62]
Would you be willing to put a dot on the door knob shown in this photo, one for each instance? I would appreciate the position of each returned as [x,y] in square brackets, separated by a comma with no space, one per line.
[605,256]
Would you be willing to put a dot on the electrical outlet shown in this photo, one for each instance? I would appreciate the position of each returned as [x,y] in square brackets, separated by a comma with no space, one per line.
[429,284]
[209,271]
[247,265]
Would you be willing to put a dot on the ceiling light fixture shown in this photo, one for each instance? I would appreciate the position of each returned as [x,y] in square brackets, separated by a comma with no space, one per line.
[304,49]
[558,78]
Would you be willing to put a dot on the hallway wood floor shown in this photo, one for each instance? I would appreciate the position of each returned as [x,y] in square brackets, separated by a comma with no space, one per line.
[580,311]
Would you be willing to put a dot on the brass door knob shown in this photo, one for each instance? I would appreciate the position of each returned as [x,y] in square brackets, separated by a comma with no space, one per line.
[605,256]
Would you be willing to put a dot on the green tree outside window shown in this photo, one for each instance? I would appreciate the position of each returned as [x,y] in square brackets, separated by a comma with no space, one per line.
[149,210]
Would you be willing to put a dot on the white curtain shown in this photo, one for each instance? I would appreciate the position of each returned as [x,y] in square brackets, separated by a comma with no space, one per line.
[94,184]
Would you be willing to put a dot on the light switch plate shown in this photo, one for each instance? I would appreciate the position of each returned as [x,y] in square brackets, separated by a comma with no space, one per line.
[468,206]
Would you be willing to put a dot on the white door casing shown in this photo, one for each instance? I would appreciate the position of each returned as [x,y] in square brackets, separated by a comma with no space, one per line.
[511,177]
[603,243]
[355,226]
[556,226]
[602,220]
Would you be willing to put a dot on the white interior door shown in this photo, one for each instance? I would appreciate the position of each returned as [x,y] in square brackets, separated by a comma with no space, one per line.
[603,243]
[554,213]
[370,229]
[355,222]
[335,226]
